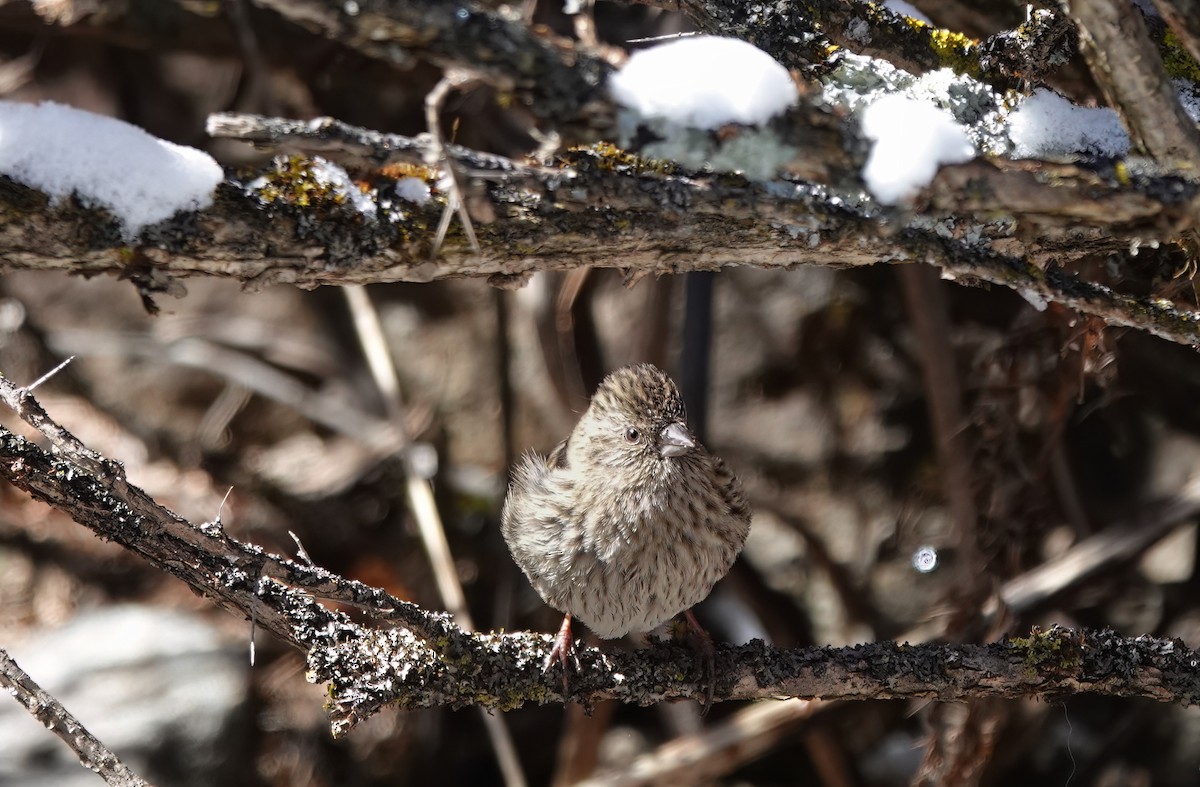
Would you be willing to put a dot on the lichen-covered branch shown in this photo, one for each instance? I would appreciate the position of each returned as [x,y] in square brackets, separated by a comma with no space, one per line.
[426,660]
[1183,17]
[92,753]
[799,35]
[554,77]
[604,208]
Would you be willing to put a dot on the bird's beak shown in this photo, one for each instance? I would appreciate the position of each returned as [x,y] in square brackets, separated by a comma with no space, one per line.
[675,440]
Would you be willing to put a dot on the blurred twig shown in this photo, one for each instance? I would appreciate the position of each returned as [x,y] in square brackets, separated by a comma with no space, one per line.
[243,370]
[553,76]
[92,754]
[718,750]
[929,316]
[424,509]
[1117,544]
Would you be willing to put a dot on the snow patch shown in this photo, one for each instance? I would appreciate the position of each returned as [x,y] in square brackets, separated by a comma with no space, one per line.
[412,190]
[1189,96]
[704,82]
[105,162]
[1047,125]
[912,139]
[338,180]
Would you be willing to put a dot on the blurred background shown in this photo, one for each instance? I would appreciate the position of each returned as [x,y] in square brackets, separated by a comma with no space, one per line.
[915,451]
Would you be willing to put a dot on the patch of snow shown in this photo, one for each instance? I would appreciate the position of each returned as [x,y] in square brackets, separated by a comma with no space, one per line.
[912,139]
[413,190]
[859,81]
[105,162]
[329,174]
[704,82]
[1047,125]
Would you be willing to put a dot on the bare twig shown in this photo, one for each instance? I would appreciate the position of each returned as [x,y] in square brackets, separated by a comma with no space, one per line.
[92,754]
[1130,71]
[456,204]
[718,750]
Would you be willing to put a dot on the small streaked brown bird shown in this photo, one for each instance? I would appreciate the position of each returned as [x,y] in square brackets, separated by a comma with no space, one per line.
[629,521]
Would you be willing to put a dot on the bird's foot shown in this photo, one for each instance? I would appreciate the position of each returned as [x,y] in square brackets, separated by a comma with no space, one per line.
[564,653]
[708,657]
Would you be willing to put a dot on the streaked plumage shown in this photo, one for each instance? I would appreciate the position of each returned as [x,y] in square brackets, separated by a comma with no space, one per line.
[629,521]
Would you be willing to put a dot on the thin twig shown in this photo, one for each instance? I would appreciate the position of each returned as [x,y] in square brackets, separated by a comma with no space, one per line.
[242,369]
[717,750]
[930,319]
[455,204]
[43,706]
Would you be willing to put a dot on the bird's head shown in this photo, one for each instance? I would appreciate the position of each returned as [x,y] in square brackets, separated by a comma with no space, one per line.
[636,420]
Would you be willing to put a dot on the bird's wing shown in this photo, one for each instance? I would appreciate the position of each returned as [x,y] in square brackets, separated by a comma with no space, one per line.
[731,490]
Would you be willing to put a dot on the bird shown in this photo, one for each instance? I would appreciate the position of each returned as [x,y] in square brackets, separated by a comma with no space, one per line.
[628,522]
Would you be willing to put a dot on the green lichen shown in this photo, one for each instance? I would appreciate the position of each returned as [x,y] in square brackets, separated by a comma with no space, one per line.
[1055,649]
[1178,62]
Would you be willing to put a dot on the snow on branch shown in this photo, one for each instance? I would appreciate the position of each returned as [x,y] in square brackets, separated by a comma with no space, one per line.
[341,205]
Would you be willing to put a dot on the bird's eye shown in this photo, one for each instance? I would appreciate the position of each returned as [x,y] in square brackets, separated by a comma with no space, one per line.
[631,435]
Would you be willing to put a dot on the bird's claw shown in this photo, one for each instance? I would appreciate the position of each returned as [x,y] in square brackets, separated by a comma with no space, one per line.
[564,653]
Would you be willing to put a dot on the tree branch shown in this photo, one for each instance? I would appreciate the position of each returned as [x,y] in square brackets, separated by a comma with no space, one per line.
[801,36]
[1183,17]
[1130,71]
[92,754]
[604,208]
[555,78]
[428,660]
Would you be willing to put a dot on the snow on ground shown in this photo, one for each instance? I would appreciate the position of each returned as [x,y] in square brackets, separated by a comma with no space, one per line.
[704,82]
[912,138]
[106,162]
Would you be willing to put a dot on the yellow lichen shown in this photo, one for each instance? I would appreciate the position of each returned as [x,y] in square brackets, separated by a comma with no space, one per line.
[608,157]
[292,180]
[954,50]
[405,169]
